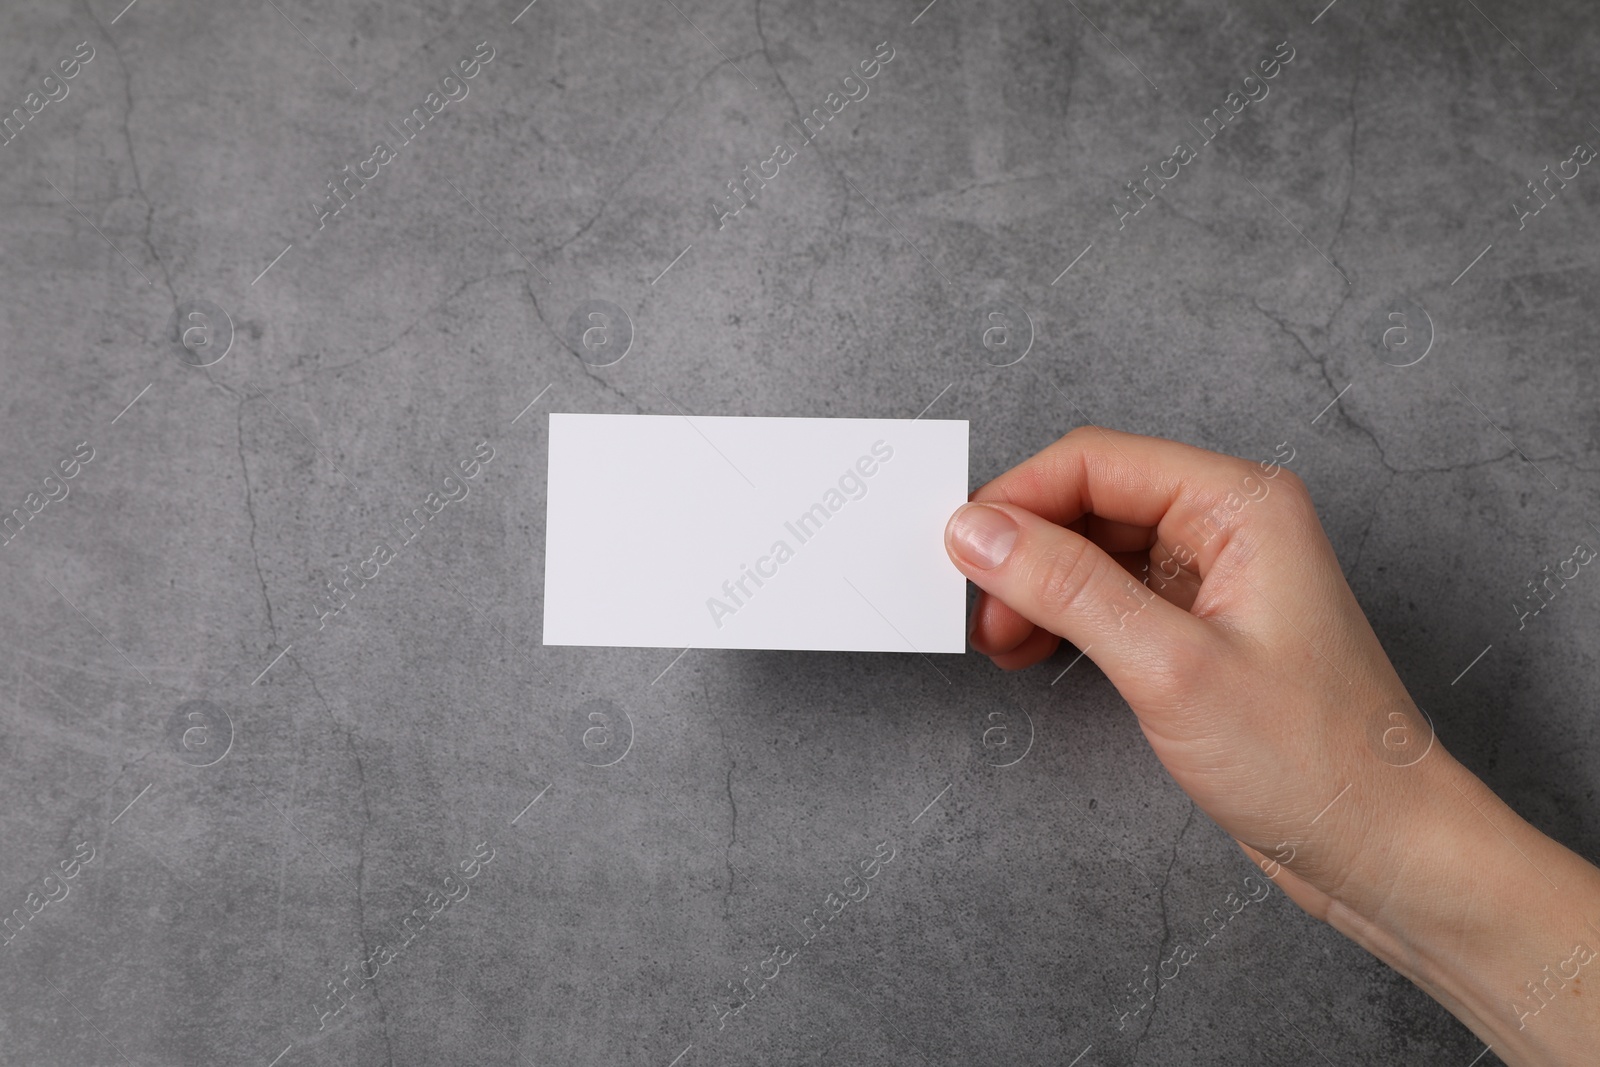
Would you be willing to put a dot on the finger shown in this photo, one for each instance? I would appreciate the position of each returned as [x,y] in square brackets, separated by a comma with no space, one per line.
[1038,647]
[996,629]
[1121,476]
[1136,563]
[1114,536]
[1176,585]
[1063,582]
[1129,480]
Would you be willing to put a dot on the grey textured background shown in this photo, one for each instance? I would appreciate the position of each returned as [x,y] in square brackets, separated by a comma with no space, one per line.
[364,764]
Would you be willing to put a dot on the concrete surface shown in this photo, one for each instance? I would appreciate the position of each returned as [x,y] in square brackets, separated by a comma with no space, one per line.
[267,796]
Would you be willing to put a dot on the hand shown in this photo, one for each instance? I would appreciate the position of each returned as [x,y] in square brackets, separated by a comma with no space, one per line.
[1205,589]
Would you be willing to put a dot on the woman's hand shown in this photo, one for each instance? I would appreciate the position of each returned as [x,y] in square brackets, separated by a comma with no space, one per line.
[1205,589]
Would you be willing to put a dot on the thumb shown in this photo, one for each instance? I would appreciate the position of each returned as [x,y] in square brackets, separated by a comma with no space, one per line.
[1067,584]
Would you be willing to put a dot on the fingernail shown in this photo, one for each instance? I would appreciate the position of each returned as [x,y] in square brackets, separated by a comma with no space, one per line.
[982,536]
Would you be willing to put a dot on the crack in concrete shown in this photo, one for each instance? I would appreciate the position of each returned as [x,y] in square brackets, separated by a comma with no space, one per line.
[605,200]
[733,840]
[133,161]
[1366,528]
[733,808]
[766,53]
[1350,183]
[589,371]
[844,201]
[1321,364]
[394,341]
[1166,931]
[250,509]
[1073,56]
[361,850]
[1366,431]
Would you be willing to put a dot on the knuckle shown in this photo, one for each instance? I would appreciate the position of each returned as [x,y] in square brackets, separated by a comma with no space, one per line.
[1294,499]
[1293,486]
[1181,662]
[1032,481]
[1088,437]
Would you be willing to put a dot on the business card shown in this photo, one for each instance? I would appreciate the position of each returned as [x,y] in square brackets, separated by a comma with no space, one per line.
[689,531]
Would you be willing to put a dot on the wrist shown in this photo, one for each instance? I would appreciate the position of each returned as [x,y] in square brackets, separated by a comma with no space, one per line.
[1483,912]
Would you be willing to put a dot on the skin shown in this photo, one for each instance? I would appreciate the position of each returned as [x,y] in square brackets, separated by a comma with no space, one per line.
[1262,688]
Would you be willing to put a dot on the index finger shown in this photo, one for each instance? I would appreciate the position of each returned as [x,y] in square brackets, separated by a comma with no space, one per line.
[1124,477]
[1130,483]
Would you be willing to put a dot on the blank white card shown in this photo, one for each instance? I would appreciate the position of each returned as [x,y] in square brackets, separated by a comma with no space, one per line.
[673,531]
